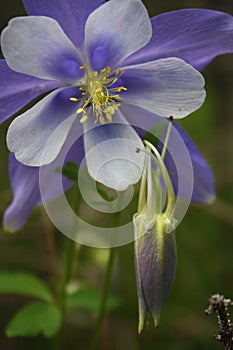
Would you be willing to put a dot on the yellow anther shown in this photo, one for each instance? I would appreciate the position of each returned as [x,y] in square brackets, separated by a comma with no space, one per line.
[98,95]
[84,118]
[101,119]
[80,110]
[109,117]
[117,97]
[114,81]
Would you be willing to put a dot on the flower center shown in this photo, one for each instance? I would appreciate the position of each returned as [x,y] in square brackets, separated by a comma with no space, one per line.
[99,95]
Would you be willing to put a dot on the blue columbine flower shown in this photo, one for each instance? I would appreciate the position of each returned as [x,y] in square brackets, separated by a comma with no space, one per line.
[194,35]
[108,63]
[81,51]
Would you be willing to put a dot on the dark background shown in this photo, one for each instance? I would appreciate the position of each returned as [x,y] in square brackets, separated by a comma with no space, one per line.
[204,238]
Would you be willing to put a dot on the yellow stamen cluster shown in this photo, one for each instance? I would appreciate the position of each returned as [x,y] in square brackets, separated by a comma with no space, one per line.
[99,96]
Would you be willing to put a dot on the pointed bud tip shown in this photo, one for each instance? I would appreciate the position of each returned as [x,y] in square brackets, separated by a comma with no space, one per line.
[140,328]
[156,320]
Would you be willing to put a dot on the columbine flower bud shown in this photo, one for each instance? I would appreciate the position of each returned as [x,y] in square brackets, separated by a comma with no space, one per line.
[155,246]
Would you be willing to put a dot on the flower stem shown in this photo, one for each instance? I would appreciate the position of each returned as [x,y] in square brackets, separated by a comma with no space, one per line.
[67,268]
[104,299]
[67,272]
[168,134]
[51,247]
[65,277]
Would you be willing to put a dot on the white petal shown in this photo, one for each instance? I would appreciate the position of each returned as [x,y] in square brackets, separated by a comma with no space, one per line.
[37,46]
[111,153]
[46,125]
[167,87]
[115,30]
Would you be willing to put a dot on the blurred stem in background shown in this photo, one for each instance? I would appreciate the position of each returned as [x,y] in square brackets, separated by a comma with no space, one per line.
[103,305]
[105,292]
[67,270]
[50,239]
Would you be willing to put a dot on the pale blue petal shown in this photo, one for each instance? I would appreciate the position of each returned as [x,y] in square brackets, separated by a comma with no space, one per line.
[29,133]
[37,46]
[71,15]
[115,30]
[111,155]
[17,89]
[167,87]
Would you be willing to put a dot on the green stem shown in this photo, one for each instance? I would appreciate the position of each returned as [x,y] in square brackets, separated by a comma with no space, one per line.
[67,268]
[67,272]
[104,299]
[51,247]
[169,128]
[65,277]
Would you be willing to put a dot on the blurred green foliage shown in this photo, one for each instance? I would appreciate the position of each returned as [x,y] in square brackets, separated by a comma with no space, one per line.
[204,241]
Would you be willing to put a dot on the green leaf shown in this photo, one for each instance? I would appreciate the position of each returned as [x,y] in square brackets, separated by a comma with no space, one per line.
[70,170]
[25,284]
[89,299]
[34,319]
[156,132]
[108,194]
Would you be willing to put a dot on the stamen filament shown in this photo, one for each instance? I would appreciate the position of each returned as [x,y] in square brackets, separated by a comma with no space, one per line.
[98,94]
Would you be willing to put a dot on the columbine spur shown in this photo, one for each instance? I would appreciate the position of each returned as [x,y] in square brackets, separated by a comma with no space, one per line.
[83,51]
